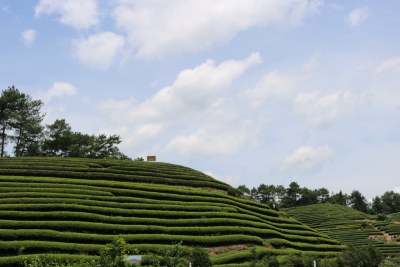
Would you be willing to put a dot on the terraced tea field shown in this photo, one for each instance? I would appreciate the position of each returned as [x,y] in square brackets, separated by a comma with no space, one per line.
[350,227]
[72,207]
[395,217]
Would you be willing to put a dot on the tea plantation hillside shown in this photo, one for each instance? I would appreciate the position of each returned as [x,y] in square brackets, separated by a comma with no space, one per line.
[351,227]
[71,208]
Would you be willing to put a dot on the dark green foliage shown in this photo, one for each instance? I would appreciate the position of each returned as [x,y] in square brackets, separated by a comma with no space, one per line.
[26,126]
[358,202]
[269,260]
[199,257]
[377,206]
[20,122]
[308,197]
[295,196]
[234,192]
[280,197]
[299,260]
[9,100]
[60,140]
[173,256]
[391,202]
[381,216]
[57,138]
[365,256]
[339,199]
[390,262]
[244,190]
[114,254]
[292,195]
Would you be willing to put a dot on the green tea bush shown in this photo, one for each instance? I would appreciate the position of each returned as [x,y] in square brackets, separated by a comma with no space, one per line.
[75,206]
[51,261]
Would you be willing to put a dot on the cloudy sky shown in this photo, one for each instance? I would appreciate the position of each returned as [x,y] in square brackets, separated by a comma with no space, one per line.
[249,91]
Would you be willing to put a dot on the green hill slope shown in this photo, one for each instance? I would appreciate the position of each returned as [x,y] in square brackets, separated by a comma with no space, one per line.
[350,227]
[73,207]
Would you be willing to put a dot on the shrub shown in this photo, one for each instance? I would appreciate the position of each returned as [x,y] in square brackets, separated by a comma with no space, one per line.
[381,217]
[268,260]
[391,262]
[300,260]
[173,256]
[366,256]
[114,254]
[199,257]
[234,192]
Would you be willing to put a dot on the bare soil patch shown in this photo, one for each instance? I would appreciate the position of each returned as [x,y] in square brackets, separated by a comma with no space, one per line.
[234,248]
[385,237]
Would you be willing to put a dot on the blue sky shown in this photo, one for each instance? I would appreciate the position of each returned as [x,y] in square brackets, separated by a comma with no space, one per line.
[248,91]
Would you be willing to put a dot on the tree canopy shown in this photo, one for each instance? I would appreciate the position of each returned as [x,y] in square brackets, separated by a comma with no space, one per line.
[277,196]
[21,125]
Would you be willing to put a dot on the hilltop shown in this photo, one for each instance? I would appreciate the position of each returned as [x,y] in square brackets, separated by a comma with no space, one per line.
[70,207]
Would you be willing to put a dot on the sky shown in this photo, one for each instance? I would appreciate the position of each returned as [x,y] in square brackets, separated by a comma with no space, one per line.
[247,91]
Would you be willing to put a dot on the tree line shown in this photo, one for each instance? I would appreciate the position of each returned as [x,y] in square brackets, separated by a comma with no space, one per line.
[21,128]
[279,197]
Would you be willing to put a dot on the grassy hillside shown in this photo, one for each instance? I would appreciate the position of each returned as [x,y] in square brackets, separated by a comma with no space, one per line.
[351,227]
[71,207]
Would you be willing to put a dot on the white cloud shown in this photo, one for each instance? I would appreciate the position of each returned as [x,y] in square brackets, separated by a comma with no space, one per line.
[210,140]
[232,180]
[357,16]
[117,108]
[307,158]
[136,137]
[194,92]
[79,14]
[58,89]
[322,110]
[272,84]
[29,37]
[99,50]
[159,28]
[396,189]
[280,84]
[389,65]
